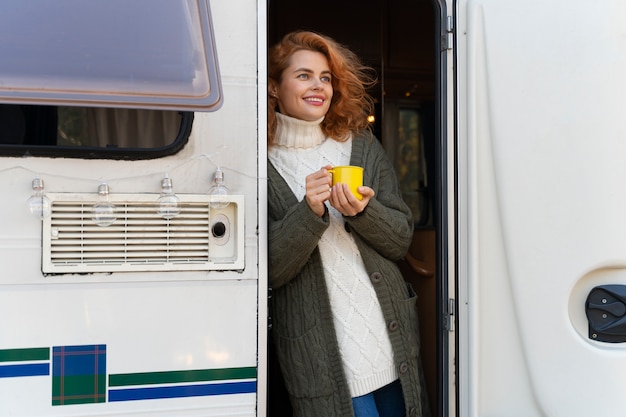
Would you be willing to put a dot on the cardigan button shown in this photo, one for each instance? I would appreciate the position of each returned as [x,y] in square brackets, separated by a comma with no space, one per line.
[376,277]
[404,367]
[346,226]
[393,325]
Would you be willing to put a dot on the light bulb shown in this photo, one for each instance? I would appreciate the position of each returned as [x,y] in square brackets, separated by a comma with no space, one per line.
[218,193]
[38,203]
[168,201]
[104,212]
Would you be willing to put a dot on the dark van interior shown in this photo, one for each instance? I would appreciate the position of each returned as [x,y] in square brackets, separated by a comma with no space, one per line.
[400,40]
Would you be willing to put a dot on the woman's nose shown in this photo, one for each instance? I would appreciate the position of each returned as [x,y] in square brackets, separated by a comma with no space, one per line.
[317,84]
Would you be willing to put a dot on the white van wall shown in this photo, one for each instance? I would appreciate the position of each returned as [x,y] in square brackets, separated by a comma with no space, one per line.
[149,322]
[541,167]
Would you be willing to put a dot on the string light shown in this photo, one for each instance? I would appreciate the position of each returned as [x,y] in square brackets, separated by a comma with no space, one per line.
[207,156]
[104,212]
[169,203]
[218,193]
[38,203]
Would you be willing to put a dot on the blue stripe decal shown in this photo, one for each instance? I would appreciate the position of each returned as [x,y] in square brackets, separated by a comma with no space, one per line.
[180,391]
[32,369]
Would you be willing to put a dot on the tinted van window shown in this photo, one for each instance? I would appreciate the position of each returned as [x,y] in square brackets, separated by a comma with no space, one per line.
[110,74]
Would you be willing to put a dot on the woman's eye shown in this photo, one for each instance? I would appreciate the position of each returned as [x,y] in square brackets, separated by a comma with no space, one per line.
[326,79]
[303,76]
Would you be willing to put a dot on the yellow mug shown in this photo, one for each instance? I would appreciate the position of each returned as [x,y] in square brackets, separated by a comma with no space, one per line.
[350,175]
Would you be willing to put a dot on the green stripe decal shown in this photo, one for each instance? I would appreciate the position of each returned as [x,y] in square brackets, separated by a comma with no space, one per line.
[20,355]
[78,389]
[198,375]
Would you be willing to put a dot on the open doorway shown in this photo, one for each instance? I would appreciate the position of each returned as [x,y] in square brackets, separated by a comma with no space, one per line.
[399,39]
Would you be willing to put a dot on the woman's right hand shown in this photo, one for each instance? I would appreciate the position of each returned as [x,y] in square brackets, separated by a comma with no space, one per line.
[318,190]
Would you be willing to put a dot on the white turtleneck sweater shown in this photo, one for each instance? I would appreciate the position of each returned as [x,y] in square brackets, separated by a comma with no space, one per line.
[300,149]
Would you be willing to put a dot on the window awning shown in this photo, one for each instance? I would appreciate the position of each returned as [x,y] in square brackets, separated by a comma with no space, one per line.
[156,54]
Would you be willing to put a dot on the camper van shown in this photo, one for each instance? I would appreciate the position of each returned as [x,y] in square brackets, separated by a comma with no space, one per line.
[133,238]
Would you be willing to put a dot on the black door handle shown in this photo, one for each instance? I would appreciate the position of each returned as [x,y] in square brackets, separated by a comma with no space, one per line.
[606,312]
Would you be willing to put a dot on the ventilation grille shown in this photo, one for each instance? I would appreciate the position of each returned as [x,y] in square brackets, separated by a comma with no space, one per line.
[139,240]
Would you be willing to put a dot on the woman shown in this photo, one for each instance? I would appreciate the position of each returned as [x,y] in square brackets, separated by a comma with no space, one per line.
[344,321]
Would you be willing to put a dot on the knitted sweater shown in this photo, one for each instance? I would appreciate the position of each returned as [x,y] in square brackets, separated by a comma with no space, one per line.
[300,148]
[303,328]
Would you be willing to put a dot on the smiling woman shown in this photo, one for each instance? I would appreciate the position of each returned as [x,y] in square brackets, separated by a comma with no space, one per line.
[305,88]
[345,326]
[400,39]
[349,82]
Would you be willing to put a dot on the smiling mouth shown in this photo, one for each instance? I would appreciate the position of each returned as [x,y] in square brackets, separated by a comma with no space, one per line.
[314,100]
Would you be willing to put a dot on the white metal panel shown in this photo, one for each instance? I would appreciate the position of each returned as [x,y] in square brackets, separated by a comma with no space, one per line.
[263,282]
[150,321]
[542,153]
[146,327]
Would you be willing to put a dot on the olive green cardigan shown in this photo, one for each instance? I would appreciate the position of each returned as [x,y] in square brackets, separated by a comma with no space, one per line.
[303,330]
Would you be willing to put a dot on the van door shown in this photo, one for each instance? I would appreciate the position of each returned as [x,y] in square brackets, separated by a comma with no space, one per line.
[541,166]
[409,44]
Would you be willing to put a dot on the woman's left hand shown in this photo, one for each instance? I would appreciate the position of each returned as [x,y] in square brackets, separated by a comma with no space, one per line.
[342,199]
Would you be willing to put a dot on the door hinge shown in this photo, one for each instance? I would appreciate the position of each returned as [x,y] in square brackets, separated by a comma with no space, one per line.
[270,294]
[448,41]
[448,317]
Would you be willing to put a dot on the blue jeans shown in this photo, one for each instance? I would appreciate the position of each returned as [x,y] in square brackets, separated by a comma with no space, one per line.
[387,401]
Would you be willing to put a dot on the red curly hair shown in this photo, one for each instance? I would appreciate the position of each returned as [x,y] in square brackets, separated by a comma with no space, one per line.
[351,103]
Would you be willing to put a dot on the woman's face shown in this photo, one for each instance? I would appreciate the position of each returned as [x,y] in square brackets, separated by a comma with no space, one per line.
[306,87]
